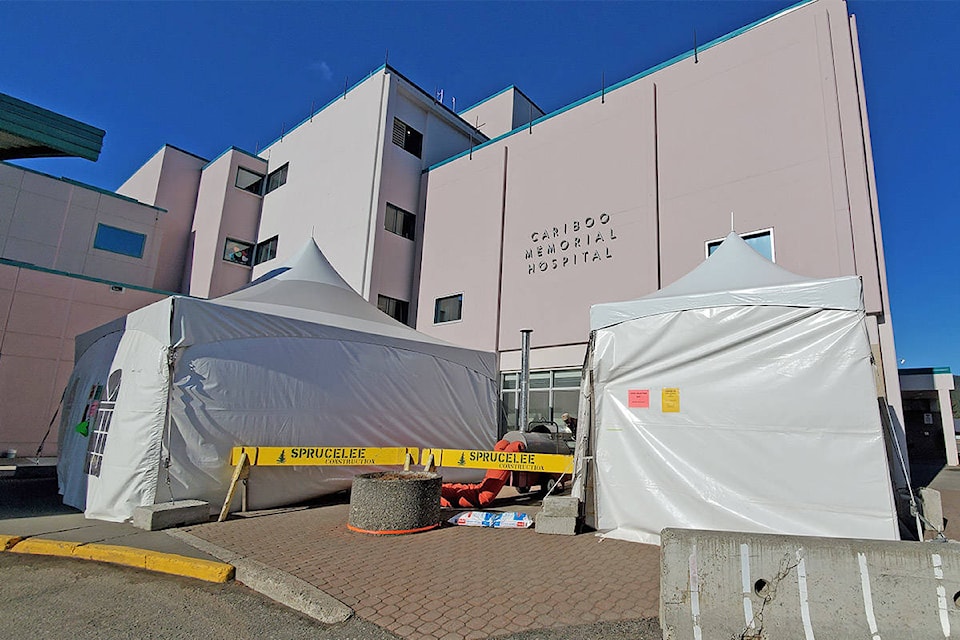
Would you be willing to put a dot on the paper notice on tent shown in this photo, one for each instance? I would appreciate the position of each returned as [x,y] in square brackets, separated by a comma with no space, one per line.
[638,398]
[670,400]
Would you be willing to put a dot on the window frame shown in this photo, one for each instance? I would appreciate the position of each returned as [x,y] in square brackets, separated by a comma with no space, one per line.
[404,217]
[411,144]
[510,389]
[282,172]
[259,182]
[97,238]
[250,249]
[768,231]
[436,309]
[398,303]
[259,248]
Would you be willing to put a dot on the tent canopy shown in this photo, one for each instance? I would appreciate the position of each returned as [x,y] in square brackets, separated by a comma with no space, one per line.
[294,359]
[740,398]
[734,275]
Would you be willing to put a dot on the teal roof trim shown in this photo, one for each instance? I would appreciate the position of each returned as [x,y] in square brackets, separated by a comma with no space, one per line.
[228,150]
[83,185]
[488,99]
[383,67]
[623,83]
[340,96]
[924,371]
[502,91]
[80,276]
[44,133]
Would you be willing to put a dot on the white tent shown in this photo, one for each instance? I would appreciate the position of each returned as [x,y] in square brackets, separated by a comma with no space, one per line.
[295,358]
[740,398]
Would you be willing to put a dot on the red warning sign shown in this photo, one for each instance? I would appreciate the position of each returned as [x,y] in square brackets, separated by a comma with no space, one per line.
[638,398]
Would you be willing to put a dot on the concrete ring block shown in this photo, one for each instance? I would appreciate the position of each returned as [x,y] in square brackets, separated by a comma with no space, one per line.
[395,502]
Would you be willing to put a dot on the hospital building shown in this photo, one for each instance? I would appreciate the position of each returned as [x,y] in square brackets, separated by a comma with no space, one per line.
[470,225]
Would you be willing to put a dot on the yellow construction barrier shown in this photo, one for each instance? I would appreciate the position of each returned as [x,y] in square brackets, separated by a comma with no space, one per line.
[511,461]
[326,456]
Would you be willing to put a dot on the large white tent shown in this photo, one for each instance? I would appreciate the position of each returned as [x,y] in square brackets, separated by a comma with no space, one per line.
[741,398]
[295,358]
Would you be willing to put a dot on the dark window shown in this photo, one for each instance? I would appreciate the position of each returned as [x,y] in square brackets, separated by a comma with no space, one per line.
[266,250]
[120,241]
[407,137]
[448,309]
[277,179]
[238,252]
[403,223]
[249,181]
[396,309]
[760,241]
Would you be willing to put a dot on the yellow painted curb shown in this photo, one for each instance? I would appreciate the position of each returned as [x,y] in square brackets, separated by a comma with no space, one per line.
[41,547]
[8,541]
[160,562]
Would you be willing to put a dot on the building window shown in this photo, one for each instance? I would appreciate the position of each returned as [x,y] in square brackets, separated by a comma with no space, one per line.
[249,181]
[448,309]
[396,309]
[407,137]
[266,250]
[403,223]
[552,393]
[277,179]
[238,252]
[759,241]
[120,241]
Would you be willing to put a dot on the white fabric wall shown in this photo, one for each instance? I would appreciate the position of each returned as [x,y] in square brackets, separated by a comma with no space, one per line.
[778,429]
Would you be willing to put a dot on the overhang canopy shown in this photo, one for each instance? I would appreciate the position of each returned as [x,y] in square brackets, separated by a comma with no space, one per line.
[29,131]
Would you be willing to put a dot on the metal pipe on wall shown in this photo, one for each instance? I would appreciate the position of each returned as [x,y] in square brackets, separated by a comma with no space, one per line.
[523,400]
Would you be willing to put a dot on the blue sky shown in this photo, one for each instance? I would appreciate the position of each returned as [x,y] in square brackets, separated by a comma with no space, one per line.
[205,76]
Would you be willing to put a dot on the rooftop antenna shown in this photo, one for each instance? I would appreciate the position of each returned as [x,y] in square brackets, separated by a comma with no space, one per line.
[603,87]
[732,229]
[477,127]
[311,110]
[386,57]
[453,99]
[695,58]
[530,118]
[283,130]
[345,80]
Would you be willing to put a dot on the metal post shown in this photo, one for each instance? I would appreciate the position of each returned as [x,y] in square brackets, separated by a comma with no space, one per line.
[523,400]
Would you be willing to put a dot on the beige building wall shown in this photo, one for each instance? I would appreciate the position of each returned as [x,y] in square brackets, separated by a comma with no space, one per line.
[343,170]
[612,199]
[52,222]
[502,112]
[333,162]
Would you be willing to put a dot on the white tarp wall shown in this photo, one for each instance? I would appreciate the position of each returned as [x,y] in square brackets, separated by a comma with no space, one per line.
[745,406]
[90,371]
[298,360]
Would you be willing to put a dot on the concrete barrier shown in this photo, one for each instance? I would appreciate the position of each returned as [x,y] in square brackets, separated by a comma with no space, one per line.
[723,585]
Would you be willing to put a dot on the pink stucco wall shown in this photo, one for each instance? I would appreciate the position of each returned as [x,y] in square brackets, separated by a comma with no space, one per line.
[41,313]
[223,211]
[169,180]
[769,124]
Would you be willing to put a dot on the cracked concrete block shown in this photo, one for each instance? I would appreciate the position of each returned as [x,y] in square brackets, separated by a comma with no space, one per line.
[726,584]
